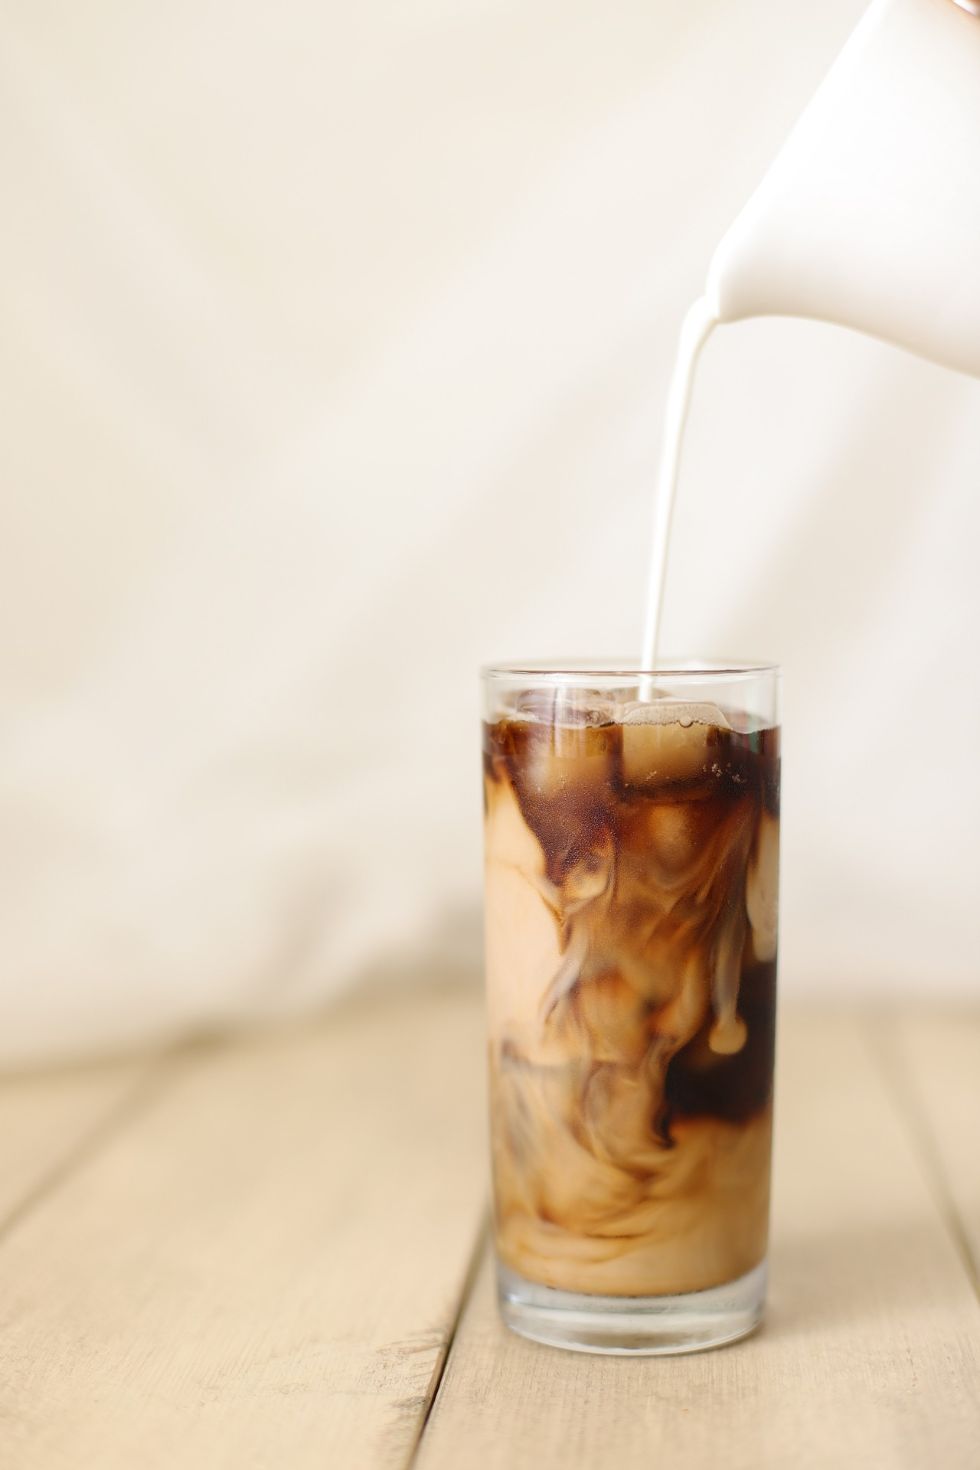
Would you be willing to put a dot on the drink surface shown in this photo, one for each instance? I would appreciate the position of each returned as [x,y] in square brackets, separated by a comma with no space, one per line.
[631,857]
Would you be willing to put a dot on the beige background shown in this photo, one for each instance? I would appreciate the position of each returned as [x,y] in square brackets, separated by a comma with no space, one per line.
[334,344]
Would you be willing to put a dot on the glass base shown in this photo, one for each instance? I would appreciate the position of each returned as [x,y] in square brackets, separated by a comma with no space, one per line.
[685,1323]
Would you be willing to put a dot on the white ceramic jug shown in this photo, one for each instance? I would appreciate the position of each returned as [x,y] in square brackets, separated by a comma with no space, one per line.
[870,214]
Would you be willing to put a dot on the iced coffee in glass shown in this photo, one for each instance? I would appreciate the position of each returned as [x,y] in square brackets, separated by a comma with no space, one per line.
[632,839]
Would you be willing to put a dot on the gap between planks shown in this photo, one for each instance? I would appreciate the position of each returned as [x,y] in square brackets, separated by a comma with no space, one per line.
[914,1085]
[481,1246]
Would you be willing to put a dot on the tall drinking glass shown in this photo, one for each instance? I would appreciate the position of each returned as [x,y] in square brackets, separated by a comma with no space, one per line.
[632,839]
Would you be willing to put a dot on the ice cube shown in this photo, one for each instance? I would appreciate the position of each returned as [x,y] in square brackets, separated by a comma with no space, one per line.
[579,707]
[673,712]
[564,706]
[568,760]
[669,740]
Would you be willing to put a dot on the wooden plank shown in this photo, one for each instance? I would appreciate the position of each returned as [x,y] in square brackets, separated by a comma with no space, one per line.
[47,1117]
[264,1269]
[871,1355]
[936,1056]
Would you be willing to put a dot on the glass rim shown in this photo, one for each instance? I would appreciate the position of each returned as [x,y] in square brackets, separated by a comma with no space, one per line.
[628,669]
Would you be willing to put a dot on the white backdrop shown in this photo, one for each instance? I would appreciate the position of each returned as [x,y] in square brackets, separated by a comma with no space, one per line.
[334,344]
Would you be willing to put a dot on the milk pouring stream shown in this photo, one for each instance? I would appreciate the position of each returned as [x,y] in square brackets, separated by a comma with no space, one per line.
[869,217]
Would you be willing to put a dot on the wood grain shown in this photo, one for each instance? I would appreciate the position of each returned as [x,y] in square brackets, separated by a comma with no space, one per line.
[264,1269]
[46,1118]
[871,1355]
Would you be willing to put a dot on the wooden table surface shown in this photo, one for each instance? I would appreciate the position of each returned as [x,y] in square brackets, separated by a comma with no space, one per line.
[272,1252]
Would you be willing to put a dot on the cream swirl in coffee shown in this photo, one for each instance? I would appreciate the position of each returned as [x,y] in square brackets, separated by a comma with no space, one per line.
[631,855]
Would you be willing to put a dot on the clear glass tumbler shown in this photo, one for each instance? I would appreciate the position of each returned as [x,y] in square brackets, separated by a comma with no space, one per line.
[632,841]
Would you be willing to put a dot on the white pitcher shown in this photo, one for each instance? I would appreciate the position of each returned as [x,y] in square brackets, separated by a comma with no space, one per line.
[870,214]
